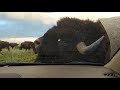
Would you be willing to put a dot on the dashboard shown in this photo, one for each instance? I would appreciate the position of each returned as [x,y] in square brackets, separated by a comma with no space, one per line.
[55,71]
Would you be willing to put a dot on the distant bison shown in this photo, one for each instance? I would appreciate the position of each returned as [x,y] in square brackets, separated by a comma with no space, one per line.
[27,45]
[74,40]
[13,44]
[4,44]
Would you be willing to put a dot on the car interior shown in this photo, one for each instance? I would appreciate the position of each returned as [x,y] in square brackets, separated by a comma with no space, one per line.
[70,47]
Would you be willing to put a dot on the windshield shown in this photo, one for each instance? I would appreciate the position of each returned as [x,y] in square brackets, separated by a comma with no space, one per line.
[54,38]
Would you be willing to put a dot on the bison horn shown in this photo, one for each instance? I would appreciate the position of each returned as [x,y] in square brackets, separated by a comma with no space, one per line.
[83,49]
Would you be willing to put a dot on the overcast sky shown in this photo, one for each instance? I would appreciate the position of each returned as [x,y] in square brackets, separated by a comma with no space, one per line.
[52,17]
[35,24]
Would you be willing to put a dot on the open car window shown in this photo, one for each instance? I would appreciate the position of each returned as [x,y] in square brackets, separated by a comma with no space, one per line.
[58,38]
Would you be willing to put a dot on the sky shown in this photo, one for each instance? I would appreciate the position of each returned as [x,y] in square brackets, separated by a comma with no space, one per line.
[21,26]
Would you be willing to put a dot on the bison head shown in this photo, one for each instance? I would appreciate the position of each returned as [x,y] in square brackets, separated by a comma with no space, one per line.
[73,40]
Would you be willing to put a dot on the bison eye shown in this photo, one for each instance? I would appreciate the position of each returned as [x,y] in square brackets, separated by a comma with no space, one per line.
[59,40]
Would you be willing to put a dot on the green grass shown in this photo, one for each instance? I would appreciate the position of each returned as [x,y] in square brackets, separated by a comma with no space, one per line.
[16,55]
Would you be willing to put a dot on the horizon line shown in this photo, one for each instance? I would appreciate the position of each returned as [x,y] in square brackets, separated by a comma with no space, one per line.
[19,40]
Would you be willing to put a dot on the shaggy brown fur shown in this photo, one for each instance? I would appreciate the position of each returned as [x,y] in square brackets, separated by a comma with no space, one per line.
[4,44]
[27,45]
[59,42]
[13,44]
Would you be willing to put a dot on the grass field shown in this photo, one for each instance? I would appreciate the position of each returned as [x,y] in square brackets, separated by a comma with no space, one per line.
[16,55]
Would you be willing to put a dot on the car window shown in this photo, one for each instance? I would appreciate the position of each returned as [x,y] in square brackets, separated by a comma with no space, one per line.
[54,38]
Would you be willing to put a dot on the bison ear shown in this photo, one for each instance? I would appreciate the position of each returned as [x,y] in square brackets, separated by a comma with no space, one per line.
[83,49]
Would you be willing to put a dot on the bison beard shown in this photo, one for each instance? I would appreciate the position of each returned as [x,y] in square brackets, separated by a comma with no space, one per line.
[62,43]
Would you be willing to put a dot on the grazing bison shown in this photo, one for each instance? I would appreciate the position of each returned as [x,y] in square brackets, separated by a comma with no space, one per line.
[27,45]
[74,40]
[13,44]
[4,44]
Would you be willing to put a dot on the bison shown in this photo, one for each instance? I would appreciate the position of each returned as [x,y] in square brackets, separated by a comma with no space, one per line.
[13,44]
[4,44]
[72,40]
[27,45]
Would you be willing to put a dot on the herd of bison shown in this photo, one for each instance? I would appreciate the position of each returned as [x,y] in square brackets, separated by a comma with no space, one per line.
[70,40]
[27,45]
